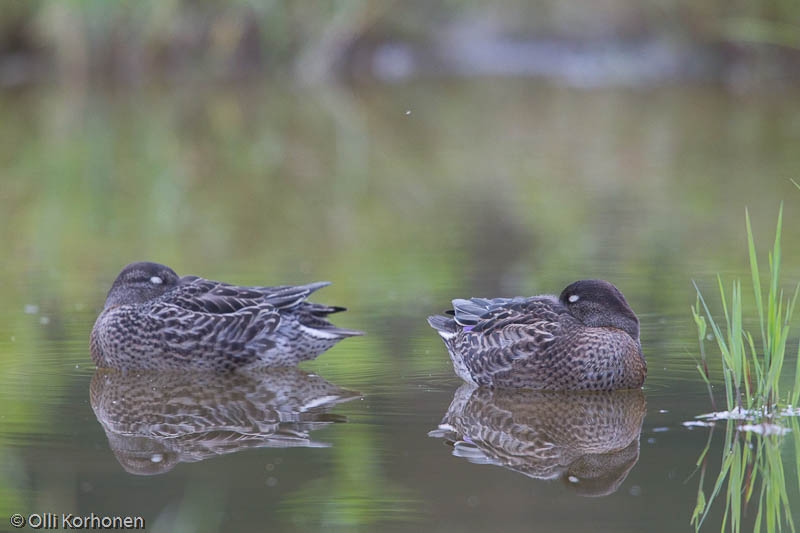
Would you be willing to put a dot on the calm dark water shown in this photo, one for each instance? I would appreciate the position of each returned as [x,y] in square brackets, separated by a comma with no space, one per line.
[483,189]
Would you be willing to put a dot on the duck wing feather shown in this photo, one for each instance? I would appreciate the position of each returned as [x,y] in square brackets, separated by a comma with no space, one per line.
[246,331]
[500,332]
[203,295]
[204,314]
[485,315]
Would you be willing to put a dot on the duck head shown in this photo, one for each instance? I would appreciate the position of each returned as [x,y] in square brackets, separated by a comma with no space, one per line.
[598,303]
[141,282]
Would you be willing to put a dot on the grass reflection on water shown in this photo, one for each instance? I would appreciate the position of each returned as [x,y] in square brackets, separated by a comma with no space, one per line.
[752,481]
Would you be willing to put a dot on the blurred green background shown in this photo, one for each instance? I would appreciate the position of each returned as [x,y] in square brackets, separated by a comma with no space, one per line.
[740,44]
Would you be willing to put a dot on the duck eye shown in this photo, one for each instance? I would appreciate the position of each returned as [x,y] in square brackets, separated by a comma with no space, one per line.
[573,298]
[155,280]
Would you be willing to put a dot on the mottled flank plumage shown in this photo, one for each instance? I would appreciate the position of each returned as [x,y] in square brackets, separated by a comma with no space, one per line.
[585,339]
[155,420]
[154,319]
[588,439]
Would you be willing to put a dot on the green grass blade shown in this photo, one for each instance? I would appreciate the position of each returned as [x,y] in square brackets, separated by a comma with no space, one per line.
[723,346]
[714,328]
[774,297]
[796,392]
[794,426]
[752,469]
[751,248]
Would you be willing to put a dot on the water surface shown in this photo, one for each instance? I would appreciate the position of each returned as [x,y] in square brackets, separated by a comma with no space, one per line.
[404,197]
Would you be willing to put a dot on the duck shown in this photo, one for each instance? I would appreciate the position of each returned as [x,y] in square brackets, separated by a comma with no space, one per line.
[154,319]
[587,338]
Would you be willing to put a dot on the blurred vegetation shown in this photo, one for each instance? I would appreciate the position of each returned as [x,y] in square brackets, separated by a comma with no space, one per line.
[130,42]
[269,184]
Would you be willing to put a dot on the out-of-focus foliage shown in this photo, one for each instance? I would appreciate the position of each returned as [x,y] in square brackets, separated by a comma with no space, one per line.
[131,42]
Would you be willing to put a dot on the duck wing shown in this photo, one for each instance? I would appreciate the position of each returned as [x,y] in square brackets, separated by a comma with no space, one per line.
[201,315]
[484,315]
[243,333]
[499,333]
[208,296]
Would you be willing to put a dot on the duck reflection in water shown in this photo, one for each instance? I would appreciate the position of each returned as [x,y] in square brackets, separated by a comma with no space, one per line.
[154,421]
[589,440]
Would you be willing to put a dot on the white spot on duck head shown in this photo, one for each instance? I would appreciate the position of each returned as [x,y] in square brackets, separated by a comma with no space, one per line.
[155,280]
[574,298]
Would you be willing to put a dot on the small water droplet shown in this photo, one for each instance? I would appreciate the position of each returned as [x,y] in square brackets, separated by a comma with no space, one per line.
[408,112]
[44,320]
[272,481]
[31,309]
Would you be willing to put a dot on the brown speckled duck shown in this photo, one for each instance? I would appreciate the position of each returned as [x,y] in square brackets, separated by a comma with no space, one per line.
[585,339]
[154,319]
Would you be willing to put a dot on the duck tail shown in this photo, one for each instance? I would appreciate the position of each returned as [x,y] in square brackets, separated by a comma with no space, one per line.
[445,326]
[344,333]
[321,310]
[291,296]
